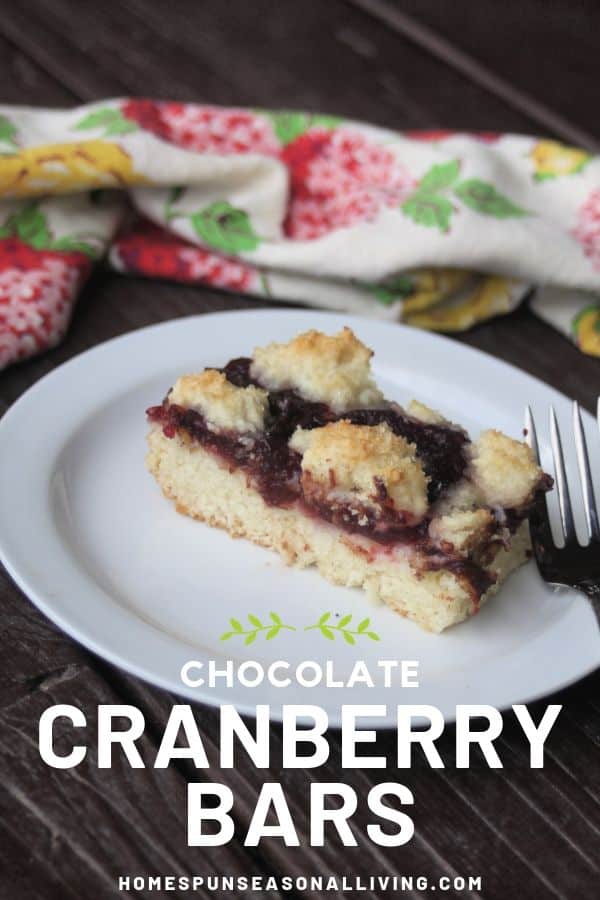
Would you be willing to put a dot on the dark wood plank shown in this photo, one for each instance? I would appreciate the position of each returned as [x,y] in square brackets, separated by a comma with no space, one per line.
[260,54]
[543,56]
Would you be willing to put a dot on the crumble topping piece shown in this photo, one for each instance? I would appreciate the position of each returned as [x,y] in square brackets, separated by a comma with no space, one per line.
[328,369]
[366,464]
[504,470]
[463,531]
[425,414]
[223,405]
[459,497]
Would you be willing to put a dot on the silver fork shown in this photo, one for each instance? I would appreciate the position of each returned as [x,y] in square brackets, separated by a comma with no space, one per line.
[573,565]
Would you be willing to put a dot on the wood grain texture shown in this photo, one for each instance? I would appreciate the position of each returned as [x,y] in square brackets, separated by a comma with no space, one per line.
[541,55]
[65,835]
[445,42]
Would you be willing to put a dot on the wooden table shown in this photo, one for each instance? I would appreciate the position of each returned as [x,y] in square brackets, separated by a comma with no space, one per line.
[531,67]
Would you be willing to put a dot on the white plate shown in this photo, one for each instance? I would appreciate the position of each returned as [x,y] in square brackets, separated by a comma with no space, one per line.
[85,532]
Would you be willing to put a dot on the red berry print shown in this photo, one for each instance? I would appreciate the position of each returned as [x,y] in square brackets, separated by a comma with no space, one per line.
[37,293]
[587,229]
[439,134]
[208,128]
[154,252]
[340,178]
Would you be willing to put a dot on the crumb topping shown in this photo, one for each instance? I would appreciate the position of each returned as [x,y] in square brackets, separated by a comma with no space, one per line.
[504,470]
[367,464]
[223,405]
[328,369]
[462,531]
[423,413]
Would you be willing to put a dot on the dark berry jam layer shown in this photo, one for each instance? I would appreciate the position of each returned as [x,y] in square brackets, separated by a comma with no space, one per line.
[440,448]
[274,469]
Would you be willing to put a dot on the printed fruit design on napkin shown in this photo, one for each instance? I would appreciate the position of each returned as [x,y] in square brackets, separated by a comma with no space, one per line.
[161,254]
[338,176]
[586,328]
[60,168]
[39,277]
[551,159]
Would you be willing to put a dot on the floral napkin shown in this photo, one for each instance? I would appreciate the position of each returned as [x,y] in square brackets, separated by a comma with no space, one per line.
[438,229]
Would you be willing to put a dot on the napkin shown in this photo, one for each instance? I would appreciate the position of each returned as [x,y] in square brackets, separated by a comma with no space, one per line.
[438,229]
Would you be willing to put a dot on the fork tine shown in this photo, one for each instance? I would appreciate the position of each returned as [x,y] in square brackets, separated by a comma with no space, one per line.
[587,488]
[562,487]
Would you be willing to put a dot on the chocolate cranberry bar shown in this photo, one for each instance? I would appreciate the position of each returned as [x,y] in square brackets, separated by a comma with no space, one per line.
[297,449]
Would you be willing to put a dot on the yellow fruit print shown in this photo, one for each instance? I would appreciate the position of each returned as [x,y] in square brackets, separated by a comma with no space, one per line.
[61,168]
[433,285]
[586,327]
[551,159]
[491,297]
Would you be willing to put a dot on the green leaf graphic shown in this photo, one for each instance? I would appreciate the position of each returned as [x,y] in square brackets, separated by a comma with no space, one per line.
[109,118]
[29,224]
[329,630]
[8,132]
[269,630]
[439,177]
[226,228]
[289,125]
[73,245]
[120,126]
[484,198]
[98,118]
[393,290]
[429,210]
[31,227]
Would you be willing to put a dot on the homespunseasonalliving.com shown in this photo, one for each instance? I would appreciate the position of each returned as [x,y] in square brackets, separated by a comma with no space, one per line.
[304,728]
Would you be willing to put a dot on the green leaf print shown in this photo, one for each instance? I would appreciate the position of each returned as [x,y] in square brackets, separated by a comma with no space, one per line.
[28,224]
[74,245]
[7,133]
[112,120]
[289,125]
[226,228]
[484,198]
[429,210]
[174,196]
[393,290]
[439,177]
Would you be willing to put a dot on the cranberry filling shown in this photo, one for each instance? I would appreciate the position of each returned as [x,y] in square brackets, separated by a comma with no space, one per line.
[273,466]
[275,469]
[439,447]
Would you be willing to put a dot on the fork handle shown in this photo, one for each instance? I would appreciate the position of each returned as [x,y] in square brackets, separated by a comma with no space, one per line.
[593,594]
